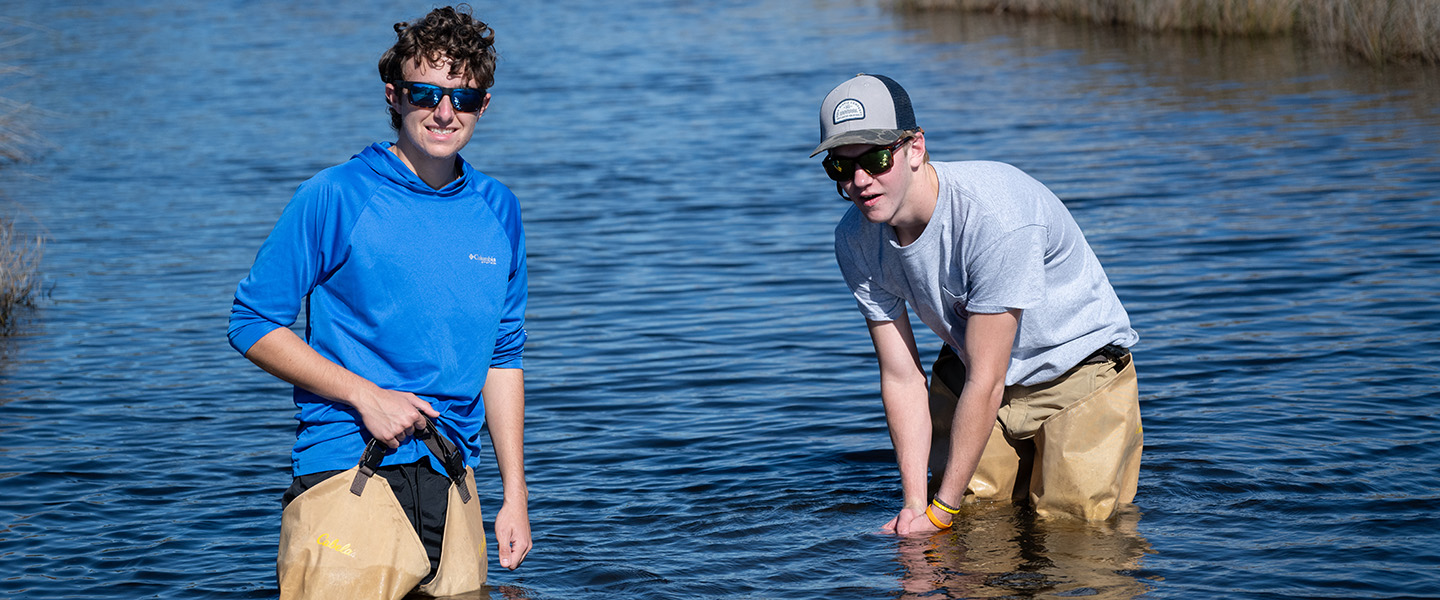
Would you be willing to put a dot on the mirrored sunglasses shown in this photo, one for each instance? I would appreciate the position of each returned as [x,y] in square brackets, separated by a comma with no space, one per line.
[425,95]
[875,162]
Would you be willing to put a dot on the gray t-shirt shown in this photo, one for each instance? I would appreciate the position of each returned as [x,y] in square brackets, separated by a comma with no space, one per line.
[998,240]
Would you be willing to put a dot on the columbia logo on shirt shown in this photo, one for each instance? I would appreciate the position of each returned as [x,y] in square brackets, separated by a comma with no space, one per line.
[489,260]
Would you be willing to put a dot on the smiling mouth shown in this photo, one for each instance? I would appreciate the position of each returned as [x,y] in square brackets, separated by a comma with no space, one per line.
[445,131]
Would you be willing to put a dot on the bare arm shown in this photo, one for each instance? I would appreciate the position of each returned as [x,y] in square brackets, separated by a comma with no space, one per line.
[504,396]
[388,415]
[988,340]
[907,413]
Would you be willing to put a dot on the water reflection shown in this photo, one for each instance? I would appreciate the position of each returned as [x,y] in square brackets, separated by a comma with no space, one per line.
[1005,550]
[495,592]
[705,420]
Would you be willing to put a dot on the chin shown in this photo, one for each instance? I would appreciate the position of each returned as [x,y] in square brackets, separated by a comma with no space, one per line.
[874,216]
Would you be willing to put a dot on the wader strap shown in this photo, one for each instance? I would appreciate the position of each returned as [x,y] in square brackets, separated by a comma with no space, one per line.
[449,456]
[369,461]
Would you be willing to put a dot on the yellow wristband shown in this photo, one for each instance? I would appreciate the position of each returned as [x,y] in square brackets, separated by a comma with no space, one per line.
[940,504]
[929,514]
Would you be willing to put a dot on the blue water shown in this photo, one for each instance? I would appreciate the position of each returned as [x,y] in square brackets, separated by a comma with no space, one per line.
[704,419]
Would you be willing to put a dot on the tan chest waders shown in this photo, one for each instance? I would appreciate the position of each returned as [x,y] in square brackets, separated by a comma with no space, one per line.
[1069,446]
[348,537]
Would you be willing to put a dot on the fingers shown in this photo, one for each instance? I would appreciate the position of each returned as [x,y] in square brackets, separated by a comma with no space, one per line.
[517,555]
[919,525]
[505,553]
[513,548]
[512,535]
[422,410]
[907,523]
[424,407]
[392,417]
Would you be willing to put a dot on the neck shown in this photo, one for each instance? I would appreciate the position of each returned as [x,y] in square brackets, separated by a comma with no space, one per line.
[920,202]
[435,172]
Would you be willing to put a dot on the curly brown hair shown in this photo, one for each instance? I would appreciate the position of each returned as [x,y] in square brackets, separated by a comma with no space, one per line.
[452,33]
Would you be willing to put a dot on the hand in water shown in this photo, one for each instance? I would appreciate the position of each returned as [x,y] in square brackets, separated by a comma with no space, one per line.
[910,522]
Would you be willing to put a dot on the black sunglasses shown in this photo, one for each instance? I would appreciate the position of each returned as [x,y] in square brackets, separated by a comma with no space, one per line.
[425,95]
[874,162]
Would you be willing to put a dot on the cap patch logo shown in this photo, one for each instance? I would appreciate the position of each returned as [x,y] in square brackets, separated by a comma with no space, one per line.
[848,109]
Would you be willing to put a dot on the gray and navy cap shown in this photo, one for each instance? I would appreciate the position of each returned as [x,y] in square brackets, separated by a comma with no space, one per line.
[868,109]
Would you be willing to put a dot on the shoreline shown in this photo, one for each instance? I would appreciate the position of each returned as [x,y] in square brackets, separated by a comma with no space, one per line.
[1379,32]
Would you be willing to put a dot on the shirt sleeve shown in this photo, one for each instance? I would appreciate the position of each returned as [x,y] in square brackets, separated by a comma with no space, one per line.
[510,339]
[288,265]
[875,303]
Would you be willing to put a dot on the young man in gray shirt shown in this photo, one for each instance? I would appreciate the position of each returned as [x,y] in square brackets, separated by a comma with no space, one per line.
[1034,395]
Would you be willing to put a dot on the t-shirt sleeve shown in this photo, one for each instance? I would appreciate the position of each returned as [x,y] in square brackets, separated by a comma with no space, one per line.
[875,303]
[1009,273]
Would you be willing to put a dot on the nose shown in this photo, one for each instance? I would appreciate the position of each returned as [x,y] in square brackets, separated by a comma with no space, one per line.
[445,110]
[861,178]
[850,188]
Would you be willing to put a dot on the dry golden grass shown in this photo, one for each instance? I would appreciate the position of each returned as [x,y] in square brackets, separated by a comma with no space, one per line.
[19,254]
[1379,30]
[19,264]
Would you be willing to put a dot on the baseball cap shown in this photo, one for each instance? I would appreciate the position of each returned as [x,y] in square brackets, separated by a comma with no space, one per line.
[868,109]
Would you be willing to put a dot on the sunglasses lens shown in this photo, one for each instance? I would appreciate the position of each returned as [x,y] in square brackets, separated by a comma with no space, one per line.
[424,95]
[467,99]
[876,161]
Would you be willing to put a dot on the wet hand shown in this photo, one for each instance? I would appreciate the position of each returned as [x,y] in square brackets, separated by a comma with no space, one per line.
[920,525]
[901,523]
[910,522]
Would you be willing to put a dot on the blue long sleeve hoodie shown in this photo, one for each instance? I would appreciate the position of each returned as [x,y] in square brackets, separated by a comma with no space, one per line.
[416,289]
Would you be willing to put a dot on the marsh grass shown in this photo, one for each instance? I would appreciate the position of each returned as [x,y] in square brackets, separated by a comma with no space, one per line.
[19,253]
[1378,30]
[19,268]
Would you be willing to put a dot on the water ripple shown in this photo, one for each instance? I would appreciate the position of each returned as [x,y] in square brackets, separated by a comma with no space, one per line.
[703,415]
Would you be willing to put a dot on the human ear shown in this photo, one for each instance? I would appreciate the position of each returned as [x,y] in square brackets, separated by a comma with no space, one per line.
[917,150]
[392,96]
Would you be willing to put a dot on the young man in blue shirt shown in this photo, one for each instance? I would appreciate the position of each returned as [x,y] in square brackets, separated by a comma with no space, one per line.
[411,266]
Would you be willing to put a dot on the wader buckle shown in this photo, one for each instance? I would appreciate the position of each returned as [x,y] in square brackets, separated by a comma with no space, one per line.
[369,461]
[448,454]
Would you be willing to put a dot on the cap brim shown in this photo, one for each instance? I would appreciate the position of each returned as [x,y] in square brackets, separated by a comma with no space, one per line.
[868,137]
